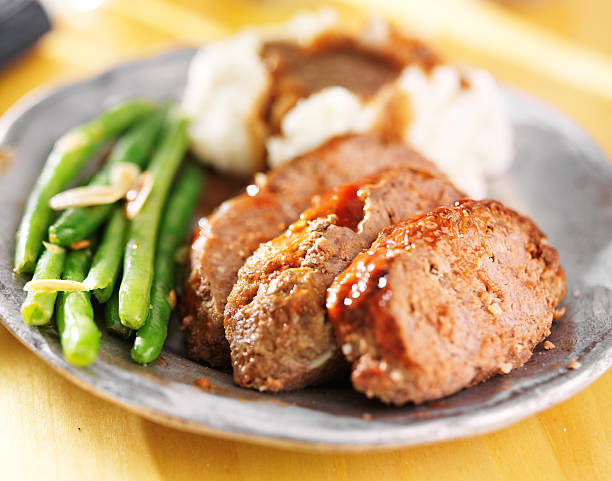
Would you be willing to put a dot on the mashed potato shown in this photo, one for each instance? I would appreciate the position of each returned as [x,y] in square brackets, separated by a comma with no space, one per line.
[463,129]
[226,87]
[455,116]
[328,113]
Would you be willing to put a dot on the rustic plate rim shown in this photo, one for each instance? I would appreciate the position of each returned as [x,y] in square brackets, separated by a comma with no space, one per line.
[559,388]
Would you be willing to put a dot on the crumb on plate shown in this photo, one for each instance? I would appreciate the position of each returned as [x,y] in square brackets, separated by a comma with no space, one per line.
[202,383]
[558,313]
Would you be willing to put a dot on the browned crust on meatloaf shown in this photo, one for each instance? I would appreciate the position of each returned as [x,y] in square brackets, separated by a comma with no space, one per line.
[225,239]
[445,300]
[275,318]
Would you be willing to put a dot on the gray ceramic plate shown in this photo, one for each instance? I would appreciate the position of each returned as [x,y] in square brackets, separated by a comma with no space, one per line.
[559,177]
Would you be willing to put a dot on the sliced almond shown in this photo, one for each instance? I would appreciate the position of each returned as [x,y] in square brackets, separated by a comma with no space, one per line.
[85,196]
[138,194]
[172,299]
[54,285]
[78,245]
[53,248]
[123,175]
[90,284]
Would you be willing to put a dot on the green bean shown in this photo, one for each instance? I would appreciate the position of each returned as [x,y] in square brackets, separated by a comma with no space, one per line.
[107,260]
[37,308]
[79,335]
[68,157]
[79,222]
[179,209]
[104,294]
[135,290]
[111,316]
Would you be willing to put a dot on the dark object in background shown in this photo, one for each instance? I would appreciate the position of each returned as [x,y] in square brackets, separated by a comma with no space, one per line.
[22,22]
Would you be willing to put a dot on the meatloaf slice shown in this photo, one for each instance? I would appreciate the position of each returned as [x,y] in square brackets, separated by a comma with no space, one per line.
[275,318]
[444,301]
[225,239]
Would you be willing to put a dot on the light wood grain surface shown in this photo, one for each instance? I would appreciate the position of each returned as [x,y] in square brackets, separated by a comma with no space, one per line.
[559,50]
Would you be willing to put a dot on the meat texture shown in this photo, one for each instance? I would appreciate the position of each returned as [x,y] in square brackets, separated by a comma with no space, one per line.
[225,239]
[444,301]
[275,318]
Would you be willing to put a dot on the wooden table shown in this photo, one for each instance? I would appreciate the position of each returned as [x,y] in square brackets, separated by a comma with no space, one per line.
[50,429]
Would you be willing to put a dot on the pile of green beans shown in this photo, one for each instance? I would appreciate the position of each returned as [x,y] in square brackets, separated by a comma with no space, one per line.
[135,147]
[66,160]
[129,266]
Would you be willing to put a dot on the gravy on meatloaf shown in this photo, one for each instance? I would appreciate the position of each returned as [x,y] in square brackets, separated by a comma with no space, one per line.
[228,236]
[275,318]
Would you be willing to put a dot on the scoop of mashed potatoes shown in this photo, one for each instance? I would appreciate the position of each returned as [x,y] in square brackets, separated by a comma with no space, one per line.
[459,122]
[227,87]
[236,88]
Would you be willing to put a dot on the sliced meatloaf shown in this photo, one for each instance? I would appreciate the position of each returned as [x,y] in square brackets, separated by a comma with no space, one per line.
[225,239]
[275,318]
[444,301]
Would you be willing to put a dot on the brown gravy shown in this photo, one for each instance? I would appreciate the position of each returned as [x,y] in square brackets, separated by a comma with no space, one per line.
[333,60]
[337,60]
[343,202]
